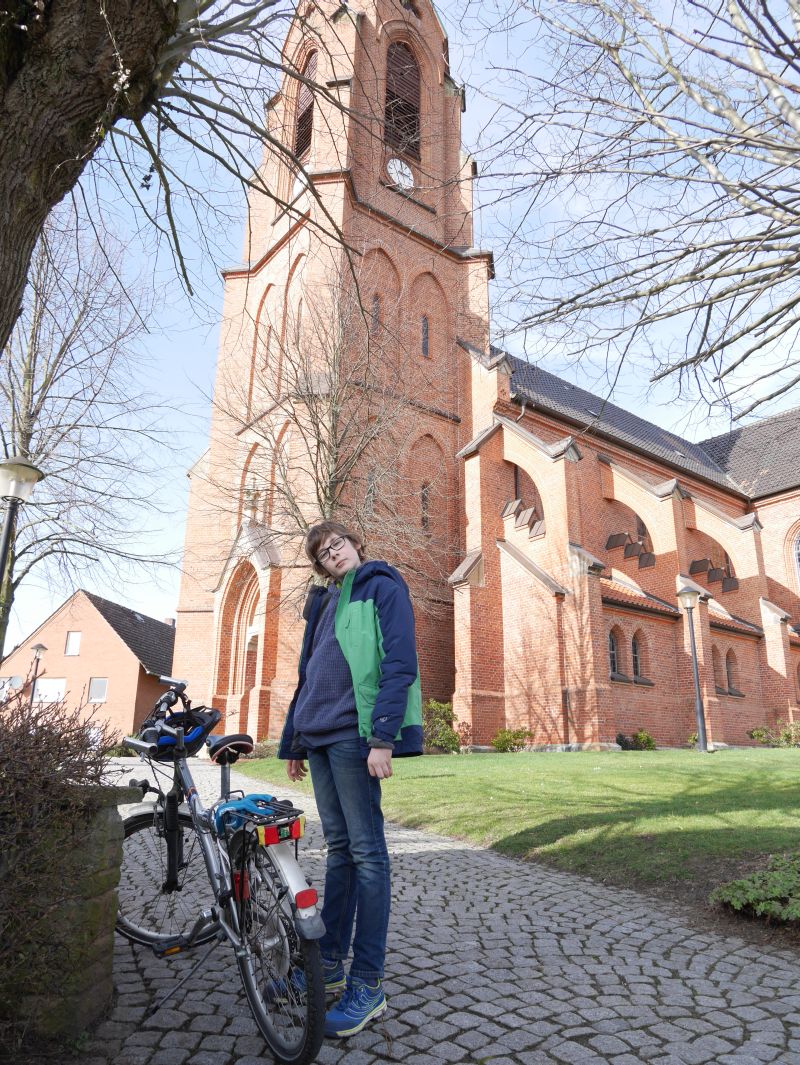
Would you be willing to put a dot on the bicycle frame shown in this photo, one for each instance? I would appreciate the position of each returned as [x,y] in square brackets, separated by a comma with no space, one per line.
[307,920]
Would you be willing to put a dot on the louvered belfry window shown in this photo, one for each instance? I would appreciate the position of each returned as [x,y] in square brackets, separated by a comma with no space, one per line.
[305,110]
[401,124]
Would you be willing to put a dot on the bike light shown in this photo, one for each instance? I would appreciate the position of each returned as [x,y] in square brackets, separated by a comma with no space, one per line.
[305,898]
[268,834]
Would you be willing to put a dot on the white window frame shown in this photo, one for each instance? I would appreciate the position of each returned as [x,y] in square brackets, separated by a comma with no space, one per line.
[104,699]
[54,689]
[68,652]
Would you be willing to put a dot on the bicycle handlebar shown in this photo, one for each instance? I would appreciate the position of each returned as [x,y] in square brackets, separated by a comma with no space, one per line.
[149,749]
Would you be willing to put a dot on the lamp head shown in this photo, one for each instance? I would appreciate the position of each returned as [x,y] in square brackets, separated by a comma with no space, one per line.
[17,478]
[688,598]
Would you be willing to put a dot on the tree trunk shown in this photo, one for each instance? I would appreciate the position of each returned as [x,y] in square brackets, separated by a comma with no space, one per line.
[60,90]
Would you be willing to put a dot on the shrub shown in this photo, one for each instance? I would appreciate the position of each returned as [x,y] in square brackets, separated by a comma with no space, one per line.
[438,733]
[692,739]
[48,753]
[772,893]
[464,733]
[507,740]
[263,749]
[639,741]
[643,741]
[788,734]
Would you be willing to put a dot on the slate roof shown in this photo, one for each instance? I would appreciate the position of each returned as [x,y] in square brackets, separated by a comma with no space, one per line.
[764,458]
[151,641]
[550,393]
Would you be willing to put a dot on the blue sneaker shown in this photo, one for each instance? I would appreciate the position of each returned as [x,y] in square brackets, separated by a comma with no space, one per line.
[360,1003]
[333,971]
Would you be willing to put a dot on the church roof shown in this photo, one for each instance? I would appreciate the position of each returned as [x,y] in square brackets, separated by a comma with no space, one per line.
[756,460]
[764,458]
[151,641]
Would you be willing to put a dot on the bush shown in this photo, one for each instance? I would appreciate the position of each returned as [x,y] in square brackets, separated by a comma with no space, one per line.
[47,756]
[761,735]
[692,739]
[639,741]
[438,733]
[773,893]
[507,740]
[263,749]
[788,734]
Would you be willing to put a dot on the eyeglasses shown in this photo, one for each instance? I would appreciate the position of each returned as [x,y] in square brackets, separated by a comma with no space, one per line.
[334,545]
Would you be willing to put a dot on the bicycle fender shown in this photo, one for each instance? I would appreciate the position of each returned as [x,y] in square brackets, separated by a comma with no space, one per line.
[310,927]
[147,808]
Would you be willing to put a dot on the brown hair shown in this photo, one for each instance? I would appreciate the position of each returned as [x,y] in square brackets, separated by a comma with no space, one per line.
[317,533]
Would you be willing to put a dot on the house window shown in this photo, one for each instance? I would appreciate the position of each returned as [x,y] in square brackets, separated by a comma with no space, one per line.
[425,337]
[401,115]
[304,126]
[98,687]
[716,661]
[73,644]
[49,690]
[730,673]
[613,653]
[425,495]
[636,657]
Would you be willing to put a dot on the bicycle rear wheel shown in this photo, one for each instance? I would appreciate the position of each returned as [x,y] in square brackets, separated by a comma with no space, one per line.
[146,913]
[281,973]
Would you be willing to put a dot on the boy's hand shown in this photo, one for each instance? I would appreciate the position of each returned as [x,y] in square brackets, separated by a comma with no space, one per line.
[296,769]
[379,763]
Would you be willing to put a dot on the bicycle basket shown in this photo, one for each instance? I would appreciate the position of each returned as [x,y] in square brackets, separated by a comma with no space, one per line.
[196,723]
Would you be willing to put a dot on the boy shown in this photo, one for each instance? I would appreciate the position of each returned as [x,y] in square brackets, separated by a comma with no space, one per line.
[357,705]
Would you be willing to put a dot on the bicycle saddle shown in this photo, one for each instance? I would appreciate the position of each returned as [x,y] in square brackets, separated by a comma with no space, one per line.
[225,750]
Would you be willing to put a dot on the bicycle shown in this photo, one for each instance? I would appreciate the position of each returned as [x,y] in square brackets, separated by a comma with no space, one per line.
[192,876]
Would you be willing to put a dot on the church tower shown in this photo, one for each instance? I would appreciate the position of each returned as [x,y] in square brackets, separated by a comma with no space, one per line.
[345,364]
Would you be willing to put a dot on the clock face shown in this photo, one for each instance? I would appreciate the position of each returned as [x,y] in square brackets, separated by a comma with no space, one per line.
[400,173]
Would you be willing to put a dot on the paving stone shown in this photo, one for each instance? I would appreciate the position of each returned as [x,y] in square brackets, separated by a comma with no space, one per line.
[512,964]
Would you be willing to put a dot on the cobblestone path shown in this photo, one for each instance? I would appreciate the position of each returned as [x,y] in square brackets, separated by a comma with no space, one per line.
[492,961]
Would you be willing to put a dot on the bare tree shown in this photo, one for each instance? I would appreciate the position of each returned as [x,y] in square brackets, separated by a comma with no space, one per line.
[149,90]
[68,402]
[646,164]
[327,417]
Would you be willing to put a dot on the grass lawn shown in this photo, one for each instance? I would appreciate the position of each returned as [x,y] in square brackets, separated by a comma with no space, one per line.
[649,819]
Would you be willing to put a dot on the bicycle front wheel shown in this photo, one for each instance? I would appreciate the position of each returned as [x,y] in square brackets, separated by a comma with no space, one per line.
[281,973]
[148,913]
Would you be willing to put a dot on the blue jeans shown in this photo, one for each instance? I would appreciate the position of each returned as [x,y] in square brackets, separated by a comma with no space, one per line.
[357,875]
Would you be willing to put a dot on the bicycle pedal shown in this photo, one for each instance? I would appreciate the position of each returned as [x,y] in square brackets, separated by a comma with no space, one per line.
[169,948]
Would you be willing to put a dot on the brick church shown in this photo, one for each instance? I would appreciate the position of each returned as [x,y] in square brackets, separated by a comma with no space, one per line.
[544,532]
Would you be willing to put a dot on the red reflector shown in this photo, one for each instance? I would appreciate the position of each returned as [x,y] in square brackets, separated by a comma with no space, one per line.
[268,834]
[307,897]
[241,886]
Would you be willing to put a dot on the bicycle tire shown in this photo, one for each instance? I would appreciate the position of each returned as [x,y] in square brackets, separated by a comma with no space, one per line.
[290,1014]
[145,914]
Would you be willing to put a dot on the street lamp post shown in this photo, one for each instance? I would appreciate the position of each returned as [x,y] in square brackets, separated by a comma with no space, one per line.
[689,598]
[38,650]
[17,479]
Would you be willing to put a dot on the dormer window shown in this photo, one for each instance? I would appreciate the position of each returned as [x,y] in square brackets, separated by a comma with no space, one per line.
[304,126]
[401,117]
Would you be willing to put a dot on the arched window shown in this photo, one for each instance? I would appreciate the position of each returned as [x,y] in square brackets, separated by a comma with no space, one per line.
[425,336]
[266,357]
[304,124]
[298,323]
[613,653]
[375,314]
[797,556]
[716,662]
[401,114]
[731,672]
[425,504]
[636,657]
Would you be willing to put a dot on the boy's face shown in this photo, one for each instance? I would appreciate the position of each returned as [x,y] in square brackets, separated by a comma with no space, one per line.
[338,555]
